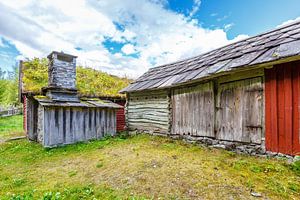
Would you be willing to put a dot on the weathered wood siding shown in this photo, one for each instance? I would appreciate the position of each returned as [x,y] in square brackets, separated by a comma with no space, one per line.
[149,112]
[32,119]
[193,110]
[240,110]
[63,125]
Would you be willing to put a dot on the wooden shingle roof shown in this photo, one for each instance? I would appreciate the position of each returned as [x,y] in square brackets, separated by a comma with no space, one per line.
[274,45]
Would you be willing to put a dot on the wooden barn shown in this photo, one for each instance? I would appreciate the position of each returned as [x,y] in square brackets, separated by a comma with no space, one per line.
[59,116]
[243,96]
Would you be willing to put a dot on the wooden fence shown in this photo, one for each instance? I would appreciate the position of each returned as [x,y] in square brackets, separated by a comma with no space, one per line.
[10,111]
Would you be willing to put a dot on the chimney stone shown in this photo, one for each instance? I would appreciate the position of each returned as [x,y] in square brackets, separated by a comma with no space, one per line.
[61,77]
[62,70]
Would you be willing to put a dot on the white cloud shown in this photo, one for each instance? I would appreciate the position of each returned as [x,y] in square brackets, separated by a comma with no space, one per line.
[227,27]
[128,49]
[2,43]
[195,8]
[159,35]
[289,22]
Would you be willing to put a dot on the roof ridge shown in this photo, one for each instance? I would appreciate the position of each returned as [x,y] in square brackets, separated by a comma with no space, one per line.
[239,41]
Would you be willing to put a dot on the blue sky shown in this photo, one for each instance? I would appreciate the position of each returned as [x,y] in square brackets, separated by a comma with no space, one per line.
[127,37]
[249,17]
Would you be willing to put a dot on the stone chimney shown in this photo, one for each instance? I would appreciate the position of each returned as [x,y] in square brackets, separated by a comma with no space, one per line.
[62,77]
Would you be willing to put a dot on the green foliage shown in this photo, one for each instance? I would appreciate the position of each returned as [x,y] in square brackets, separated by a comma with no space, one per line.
[9,88]
[35,74]
[89,82]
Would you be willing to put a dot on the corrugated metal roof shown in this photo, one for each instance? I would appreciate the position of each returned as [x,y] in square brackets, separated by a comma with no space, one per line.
[270,46]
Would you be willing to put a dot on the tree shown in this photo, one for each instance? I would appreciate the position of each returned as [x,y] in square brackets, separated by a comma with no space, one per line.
[9,87]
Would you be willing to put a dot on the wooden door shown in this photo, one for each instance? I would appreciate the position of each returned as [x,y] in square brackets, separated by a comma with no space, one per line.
[240,111]
[283,108]
[193,110]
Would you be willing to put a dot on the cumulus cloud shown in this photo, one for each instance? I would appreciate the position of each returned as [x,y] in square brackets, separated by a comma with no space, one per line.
[289,22]
[128,49]
[145,27]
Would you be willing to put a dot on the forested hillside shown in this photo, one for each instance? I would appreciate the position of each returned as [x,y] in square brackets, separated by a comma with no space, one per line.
[89,82]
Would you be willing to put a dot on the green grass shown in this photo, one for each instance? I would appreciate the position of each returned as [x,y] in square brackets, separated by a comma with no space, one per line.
[140,167]
[11,126]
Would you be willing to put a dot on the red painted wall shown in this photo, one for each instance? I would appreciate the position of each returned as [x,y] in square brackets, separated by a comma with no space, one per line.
[282,108]
[24,114]
[121,117]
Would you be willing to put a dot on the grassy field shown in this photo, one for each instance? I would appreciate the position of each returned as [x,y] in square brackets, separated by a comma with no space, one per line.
[140,167]
[11,126]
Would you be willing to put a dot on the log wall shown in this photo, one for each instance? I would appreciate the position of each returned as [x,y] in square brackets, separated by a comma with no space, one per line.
[148,111]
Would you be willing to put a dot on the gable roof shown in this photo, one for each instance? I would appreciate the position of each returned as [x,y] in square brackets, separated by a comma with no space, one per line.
[279,43]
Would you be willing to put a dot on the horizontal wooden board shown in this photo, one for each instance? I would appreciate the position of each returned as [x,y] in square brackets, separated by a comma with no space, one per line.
[148,111]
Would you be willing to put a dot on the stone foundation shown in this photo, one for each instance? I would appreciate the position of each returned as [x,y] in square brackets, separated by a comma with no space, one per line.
[238,147]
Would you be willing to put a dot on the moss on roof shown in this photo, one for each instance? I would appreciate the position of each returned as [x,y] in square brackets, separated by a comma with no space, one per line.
[89,82]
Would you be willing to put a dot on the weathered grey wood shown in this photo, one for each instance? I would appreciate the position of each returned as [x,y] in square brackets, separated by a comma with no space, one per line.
[68,133]
[86,124]
[80,123]
[239,116]
[148,111]
[193,110]
[46,139]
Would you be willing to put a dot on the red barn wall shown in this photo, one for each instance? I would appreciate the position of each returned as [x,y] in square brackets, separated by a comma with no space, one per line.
[282,87]
[25,113]
[121,117]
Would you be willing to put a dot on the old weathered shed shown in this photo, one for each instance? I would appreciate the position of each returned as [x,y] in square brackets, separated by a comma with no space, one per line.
[59,117]
[242,95]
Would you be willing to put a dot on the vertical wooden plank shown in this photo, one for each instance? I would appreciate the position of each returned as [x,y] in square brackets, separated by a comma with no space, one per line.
[60,125]
[288,109]
[92,123]
[86,126]
[281,111]
[101,122]
[271,105]
[81,124]
[98,123]
[114,122]
[53,127]
[46,139]
[296,109]
[75,125]
[68,121]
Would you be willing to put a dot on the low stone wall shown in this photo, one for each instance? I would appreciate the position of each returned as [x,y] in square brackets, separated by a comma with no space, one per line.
[238,147]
